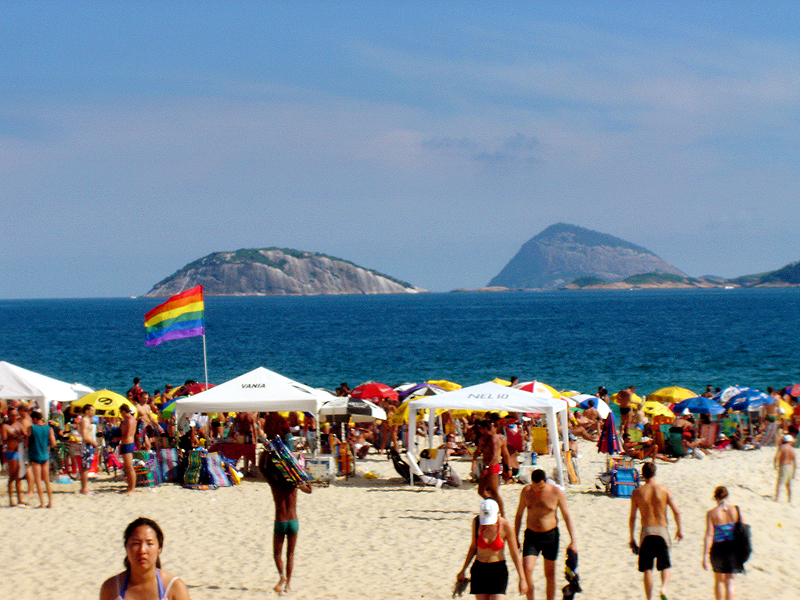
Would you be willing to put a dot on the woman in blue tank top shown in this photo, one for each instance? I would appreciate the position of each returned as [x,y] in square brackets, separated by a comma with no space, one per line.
[39,444]
[143,577]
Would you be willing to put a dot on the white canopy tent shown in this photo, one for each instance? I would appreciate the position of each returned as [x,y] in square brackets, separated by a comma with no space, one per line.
[17,383]
[260,390]
[493,397]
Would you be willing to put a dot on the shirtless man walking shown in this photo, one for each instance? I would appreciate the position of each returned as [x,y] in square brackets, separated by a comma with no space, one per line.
[786,464]
[284,494]
[542,500]
[127,446]
[89,448]
[13,438]
[490,447]
[651,501]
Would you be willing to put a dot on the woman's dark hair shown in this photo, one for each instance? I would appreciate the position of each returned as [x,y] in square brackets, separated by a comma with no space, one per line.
[133,526]
[720,493]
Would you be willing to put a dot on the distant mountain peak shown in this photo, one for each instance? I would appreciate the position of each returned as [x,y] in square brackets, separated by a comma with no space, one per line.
[277,272]
[562,253]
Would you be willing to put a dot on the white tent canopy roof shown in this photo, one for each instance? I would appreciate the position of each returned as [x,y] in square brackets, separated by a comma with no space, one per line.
[489,396]
[17,383]
[260,390]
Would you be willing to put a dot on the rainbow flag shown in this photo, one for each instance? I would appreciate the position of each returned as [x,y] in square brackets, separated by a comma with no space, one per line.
[179,317]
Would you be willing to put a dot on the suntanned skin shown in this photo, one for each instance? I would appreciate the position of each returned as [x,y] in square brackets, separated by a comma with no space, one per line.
[500,529]
[285,498]
[490,447]
[27,422]
[87,437]
[785,456]
[650,501]
[128,428]
[543,500]
[13,435]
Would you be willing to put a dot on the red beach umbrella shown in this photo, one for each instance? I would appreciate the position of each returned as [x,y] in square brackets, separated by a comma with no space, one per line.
[372,390]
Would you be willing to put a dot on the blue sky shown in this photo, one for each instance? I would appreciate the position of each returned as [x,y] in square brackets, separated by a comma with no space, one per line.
[427,140]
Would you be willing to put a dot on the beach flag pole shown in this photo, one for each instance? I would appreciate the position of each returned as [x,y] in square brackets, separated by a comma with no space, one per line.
[205,359]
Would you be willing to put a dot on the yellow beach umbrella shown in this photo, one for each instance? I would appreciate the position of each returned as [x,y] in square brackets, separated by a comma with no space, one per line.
[444,384]
[786,409]
[636,399]
[656,409]
[106,403]
[499,381]
[672,395]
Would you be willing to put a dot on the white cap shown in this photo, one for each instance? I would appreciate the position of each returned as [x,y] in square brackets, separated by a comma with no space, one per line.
[788,438]
[488,512]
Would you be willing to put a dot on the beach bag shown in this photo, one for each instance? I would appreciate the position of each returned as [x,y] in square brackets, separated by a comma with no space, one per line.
[742,544]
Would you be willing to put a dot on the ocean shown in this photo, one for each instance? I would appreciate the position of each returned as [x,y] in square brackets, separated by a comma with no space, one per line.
[570,339]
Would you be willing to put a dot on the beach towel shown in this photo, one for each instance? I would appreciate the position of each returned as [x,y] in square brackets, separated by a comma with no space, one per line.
[194,467]
[216,470]
[169,464]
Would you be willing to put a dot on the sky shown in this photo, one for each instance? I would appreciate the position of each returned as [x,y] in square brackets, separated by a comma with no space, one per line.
[425,140]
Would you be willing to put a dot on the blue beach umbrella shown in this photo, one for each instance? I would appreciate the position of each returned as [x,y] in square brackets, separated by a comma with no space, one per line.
[699,405]
[748,400]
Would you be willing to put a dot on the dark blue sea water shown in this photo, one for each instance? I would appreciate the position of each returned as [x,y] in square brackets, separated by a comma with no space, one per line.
[571,340]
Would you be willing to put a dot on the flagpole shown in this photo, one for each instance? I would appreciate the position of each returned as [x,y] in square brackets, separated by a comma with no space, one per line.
[205,359]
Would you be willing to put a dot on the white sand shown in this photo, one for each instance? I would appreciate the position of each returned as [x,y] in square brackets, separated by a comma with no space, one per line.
[383,539]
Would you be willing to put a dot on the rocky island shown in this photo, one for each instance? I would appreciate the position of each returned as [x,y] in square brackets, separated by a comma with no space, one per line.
[278,272]
[563,254]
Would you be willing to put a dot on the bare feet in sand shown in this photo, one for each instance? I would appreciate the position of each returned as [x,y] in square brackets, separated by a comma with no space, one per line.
[282,586]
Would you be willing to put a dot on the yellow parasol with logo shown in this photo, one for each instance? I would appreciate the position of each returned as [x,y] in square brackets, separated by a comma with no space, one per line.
[106,403]
[656,409]
[671,395]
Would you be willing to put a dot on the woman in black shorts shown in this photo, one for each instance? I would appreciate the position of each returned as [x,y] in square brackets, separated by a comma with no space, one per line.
[718,546]
[489,574]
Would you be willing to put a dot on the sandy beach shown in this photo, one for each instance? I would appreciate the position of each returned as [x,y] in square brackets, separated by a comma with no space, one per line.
[380,538]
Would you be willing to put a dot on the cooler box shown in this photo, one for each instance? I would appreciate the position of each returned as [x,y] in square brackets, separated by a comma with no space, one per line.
[321,468]
[623,482]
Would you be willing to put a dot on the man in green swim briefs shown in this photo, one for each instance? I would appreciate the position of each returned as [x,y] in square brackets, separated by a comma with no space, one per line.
[284,494]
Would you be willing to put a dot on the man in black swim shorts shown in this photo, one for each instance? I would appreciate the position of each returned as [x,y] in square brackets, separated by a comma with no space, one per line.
[542,501]
[651,501]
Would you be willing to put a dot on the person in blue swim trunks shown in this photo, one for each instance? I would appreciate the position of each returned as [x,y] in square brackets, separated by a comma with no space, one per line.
[287,525]
[13,437]
[127,446]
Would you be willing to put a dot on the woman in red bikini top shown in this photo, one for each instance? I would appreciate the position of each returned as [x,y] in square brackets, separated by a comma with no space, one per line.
[490,535]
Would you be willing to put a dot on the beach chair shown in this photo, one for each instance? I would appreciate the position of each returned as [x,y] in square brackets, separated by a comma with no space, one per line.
[194,467]
[623,482]
[216,470]
[433,462]
[708,433]
[770,435]
[571,463]
[400,466]
[145,467]
[675,444]
[635,434]
[660,435]
[539,440]
[168,461]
